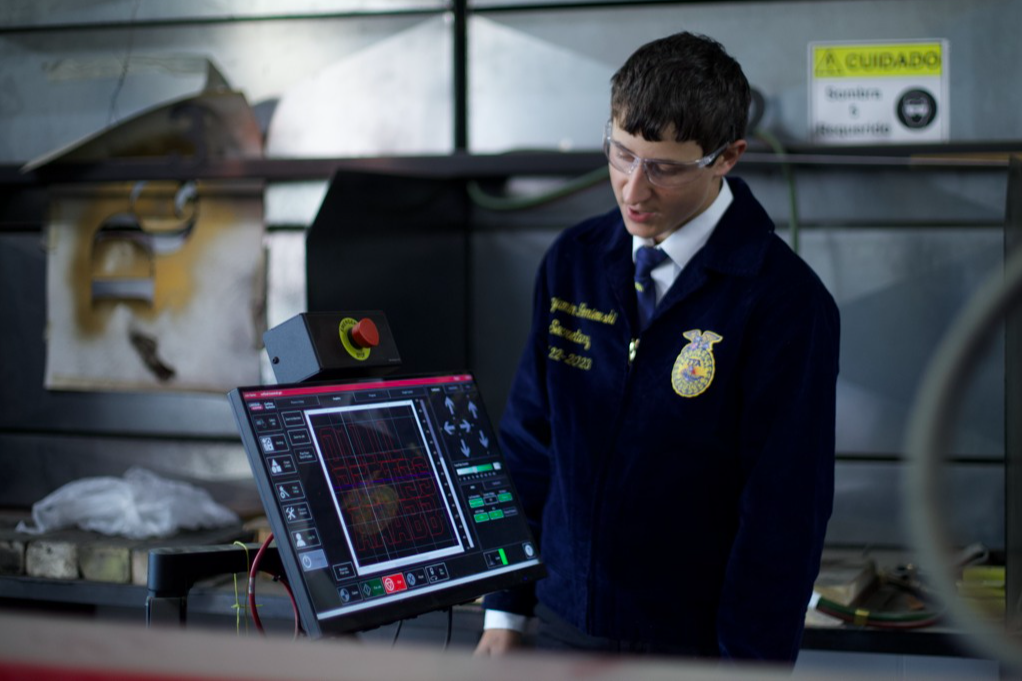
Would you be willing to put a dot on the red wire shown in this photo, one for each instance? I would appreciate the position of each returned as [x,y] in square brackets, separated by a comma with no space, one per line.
[251,590]
[253,571]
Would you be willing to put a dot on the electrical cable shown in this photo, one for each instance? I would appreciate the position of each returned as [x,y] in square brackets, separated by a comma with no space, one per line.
[397,632]
[294,606]
[253,608]
[126,65]
[241,609]
[253,571]
[930,433]
[450,627]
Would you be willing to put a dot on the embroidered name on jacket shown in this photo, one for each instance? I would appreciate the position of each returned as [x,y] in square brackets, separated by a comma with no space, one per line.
[694,369]
[582,310]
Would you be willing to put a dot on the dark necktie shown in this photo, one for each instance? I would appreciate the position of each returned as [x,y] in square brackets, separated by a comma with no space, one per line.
[646,259]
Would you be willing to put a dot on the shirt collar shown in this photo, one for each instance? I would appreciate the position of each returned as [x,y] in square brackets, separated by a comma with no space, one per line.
[686,241]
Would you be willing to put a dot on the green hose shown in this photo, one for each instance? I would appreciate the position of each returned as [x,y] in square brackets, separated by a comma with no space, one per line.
[782,154]
[500,203]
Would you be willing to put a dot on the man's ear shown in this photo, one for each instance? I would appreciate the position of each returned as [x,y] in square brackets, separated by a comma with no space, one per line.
[729,157]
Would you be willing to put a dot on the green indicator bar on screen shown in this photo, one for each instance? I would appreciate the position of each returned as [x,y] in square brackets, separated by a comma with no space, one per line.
[503,556]
[475,502]
[506,496]
[481,468]
[496,515]
[481,517]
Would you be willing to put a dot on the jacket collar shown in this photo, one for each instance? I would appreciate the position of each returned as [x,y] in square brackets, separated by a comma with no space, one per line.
[737,247]
[739,243]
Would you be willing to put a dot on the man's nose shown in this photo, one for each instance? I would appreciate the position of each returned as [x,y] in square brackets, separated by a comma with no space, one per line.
[637,186]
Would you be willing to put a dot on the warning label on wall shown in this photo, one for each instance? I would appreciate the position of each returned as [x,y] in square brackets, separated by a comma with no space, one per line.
[878,92]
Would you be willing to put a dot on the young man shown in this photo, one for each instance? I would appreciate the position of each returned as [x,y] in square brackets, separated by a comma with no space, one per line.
[671,432]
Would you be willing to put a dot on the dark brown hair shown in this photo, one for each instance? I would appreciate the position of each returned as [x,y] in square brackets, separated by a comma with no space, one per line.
[687,81]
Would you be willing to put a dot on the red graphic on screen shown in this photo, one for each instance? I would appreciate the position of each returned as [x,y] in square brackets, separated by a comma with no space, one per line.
[388,494]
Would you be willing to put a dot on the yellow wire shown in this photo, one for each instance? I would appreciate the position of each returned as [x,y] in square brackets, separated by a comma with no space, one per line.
[238,606]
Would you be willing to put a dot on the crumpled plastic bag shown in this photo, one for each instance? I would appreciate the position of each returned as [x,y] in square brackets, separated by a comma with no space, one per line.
[140,505]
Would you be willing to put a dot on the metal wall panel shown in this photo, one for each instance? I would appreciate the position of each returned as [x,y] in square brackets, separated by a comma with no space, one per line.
[898,290]
[35,13]
[293,204]
[59,86]
[905,196]
[869,505]
[394,97]
[541,78]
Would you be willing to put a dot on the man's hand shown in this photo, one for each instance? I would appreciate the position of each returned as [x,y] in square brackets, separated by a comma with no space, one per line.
[495,642]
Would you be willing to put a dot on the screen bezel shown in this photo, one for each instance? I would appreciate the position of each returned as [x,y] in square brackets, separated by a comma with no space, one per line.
[385,612]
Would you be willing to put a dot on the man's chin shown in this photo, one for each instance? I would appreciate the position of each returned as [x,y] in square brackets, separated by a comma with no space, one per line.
[644,230]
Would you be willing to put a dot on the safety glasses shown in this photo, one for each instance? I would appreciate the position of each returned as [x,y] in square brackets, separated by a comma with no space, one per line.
[659,173]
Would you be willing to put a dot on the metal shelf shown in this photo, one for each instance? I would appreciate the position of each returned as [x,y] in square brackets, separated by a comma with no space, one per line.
[981,156]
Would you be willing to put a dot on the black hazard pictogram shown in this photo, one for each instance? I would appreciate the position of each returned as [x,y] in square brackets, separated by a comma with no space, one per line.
[827,64]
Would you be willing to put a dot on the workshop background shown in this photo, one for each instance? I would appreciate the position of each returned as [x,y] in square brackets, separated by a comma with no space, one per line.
[509,99]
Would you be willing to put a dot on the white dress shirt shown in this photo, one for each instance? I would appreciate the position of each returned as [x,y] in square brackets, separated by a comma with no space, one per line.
[685,242]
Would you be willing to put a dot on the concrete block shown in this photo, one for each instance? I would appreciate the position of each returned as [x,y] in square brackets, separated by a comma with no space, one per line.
[52,559]
[12,557]
[140,566]
[105,563]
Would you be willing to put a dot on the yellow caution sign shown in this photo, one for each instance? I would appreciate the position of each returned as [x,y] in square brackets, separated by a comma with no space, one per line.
[870,93]
[878,60]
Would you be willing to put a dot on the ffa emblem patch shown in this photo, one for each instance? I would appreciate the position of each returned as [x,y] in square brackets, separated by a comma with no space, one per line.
[693,370]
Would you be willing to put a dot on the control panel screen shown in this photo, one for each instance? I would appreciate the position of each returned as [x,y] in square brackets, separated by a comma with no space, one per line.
[387,498]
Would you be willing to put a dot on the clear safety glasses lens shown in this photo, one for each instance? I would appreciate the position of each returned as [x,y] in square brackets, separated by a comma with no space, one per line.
[660,173]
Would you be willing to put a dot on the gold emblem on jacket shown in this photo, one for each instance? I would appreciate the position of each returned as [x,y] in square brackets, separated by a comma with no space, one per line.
[694,369]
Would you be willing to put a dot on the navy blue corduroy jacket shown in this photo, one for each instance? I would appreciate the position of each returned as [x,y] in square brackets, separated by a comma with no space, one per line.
[682,496]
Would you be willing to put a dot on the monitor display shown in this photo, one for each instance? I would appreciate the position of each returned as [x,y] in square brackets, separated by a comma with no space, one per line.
[387,498]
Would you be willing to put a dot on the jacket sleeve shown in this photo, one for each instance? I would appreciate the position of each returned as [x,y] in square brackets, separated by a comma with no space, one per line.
[525,439]
[787,474]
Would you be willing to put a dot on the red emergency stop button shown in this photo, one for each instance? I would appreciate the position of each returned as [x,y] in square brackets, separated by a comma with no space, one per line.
[365,334]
